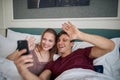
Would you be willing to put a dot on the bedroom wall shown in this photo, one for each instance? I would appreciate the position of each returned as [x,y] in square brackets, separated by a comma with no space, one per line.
[1,18]
[8,21]
[96,8]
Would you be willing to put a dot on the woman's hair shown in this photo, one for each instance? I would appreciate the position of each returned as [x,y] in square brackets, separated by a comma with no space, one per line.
[54,49]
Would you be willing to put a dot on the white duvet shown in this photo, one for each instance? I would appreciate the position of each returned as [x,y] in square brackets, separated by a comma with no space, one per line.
[8,70]
[82,74]
[110,61]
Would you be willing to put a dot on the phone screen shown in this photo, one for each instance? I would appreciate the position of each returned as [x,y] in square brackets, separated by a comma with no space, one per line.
[23,44]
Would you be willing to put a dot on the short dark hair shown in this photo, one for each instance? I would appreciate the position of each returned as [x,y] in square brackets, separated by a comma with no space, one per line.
[61,33]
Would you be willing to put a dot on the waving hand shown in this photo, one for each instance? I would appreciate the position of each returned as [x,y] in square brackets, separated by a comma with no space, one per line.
[71,30]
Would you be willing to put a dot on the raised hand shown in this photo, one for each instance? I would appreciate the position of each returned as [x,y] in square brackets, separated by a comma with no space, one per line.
[71,30]
[31,42]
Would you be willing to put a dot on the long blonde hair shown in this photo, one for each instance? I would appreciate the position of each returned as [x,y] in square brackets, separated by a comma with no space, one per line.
[53,50]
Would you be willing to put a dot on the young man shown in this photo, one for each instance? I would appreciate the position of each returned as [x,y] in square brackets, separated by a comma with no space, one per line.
[81,58]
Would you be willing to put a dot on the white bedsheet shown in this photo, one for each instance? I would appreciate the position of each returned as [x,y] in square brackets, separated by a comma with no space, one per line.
[110,61]
[8,70]
[82,74]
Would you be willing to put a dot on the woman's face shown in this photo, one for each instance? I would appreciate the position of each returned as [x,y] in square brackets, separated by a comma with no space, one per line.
[48,41]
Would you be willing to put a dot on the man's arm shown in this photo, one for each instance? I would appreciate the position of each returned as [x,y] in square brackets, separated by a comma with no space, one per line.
[101,45]
[23,62]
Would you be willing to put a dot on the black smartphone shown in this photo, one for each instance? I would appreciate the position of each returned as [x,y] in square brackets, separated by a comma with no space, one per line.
[23,44]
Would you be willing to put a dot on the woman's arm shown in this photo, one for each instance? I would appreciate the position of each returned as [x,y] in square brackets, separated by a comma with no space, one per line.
[13,55]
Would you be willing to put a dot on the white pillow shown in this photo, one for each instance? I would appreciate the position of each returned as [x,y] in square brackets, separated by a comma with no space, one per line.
[80,45]
[20,36]
[110,61]
[7,46]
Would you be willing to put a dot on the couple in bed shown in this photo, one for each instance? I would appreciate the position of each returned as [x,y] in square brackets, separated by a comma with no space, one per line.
[81,58]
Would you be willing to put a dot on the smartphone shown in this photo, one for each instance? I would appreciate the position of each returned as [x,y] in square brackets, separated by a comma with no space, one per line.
[23,44]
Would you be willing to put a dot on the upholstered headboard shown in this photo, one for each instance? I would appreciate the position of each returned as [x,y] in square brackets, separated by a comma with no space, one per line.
[108,33]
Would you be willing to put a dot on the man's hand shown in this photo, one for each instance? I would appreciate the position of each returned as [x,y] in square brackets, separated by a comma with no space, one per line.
[71,30]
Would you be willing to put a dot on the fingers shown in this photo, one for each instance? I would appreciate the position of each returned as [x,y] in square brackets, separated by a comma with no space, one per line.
[67,26]
[21,52]
[24,61]
[31,42]
[18,53]
[71,30]
[71,25]
[30,38]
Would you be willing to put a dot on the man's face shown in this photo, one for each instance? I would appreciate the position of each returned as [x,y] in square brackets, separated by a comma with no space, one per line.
[64,45]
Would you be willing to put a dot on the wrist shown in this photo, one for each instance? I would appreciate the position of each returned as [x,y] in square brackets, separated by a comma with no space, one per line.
[80,35]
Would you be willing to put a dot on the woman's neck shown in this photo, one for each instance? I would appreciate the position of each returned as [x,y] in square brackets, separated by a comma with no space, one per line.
[43,56]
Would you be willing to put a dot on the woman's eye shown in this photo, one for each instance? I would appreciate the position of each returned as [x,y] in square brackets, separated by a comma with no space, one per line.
[50,40]
[44,39]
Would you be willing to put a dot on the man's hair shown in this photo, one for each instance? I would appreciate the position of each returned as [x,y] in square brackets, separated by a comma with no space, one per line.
[61,33]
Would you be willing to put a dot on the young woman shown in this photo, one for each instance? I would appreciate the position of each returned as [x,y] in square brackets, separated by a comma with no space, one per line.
[42,52]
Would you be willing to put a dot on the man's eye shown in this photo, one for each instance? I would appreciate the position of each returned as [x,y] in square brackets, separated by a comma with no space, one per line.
[65,40]
[58,40]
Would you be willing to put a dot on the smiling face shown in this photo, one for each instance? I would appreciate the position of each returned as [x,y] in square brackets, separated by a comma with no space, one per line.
[48,41]
[64,45]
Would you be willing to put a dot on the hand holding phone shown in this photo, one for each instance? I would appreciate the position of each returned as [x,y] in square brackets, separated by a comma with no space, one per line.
[23,44]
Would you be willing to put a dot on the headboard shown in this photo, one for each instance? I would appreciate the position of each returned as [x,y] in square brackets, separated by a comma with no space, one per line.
[108,33]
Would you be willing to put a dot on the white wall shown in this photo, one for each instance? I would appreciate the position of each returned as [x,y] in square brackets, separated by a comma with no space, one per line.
[2,30]
[104,23]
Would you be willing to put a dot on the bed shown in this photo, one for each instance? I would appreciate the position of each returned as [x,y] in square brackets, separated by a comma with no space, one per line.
[109,62]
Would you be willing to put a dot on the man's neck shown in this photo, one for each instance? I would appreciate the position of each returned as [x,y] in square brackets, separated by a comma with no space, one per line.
[66,53]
